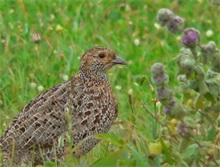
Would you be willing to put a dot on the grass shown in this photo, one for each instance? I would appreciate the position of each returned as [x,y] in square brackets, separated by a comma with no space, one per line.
[68,28]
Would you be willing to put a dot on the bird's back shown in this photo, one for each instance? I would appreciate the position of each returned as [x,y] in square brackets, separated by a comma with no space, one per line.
[40,123]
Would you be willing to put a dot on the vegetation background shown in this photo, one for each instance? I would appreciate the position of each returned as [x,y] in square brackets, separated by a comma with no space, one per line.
[40,46]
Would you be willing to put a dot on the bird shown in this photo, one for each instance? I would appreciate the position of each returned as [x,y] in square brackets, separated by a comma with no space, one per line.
[84,106]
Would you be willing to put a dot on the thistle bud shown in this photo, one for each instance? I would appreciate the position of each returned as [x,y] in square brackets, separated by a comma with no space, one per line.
[185,62]
[190,38]
[184,51]
[182,78]
[166,110]
[172,102]
[210,53]
[164,95]
[214,88]
[164,16]
[187,65]
[183,129]
[215,2]
[175,25]
[211,47]
[159,77]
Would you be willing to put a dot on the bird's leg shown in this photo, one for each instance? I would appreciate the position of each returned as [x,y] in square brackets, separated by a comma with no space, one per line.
[86,146]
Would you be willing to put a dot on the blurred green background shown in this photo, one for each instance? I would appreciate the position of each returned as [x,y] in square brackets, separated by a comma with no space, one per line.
[67,28]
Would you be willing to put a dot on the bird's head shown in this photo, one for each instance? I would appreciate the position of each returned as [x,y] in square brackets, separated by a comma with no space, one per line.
[99,60]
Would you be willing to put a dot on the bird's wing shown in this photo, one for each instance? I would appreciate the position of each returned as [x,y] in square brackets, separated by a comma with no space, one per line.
[41,121]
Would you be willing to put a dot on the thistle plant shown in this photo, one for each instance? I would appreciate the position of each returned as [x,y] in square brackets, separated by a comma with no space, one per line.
[164,94]
[196,113]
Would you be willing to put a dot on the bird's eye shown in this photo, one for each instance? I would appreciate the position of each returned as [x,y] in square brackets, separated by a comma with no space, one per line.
[101,55]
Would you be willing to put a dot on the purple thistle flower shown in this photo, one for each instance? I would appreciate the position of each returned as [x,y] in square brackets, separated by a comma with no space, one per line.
[190,38]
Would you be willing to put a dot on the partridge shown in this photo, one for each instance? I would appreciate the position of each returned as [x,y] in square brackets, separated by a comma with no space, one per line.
[36,134]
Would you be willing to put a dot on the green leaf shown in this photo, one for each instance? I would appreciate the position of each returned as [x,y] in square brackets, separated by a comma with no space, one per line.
[199,102]
[167,152]
[113,159]
[142,161]
[112,139]
[207,117]
[143,79]
[211,134]
[190,151]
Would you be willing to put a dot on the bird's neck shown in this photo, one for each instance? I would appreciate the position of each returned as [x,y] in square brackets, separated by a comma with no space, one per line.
[97,77]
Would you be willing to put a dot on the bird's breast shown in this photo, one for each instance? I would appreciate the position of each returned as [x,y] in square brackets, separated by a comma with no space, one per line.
[95,106]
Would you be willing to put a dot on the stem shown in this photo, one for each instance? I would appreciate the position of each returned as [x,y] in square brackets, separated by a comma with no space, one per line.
[195,54]
[152,114]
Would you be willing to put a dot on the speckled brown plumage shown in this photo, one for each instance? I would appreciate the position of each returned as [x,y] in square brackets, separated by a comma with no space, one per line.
[35,135]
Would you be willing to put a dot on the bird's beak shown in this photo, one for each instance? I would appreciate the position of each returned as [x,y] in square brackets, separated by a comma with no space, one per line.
[119,60]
